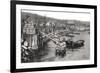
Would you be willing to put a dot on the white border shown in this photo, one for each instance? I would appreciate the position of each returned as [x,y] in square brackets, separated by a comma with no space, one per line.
[20,65]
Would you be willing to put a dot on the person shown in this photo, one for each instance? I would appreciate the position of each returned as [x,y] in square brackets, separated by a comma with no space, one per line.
[57,51]
[24,51]
[61,49]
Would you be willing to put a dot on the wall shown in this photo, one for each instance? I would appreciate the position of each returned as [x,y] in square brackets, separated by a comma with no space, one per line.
[5,36]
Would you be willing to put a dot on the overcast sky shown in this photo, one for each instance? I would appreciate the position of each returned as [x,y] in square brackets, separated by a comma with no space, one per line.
[62,15]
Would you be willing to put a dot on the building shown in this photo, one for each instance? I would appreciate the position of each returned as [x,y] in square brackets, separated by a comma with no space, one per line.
[30,35]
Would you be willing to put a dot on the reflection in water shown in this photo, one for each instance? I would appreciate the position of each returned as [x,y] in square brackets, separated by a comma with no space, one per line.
[82,53]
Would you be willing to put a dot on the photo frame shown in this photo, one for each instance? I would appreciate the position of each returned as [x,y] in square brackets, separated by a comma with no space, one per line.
[52,36]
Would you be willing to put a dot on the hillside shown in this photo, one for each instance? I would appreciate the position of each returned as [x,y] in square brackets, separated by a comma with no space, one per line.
[43,19]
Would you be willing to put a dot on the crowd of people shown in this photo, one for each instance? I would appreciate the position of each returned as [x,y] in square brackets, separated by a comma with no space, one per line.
[27,53]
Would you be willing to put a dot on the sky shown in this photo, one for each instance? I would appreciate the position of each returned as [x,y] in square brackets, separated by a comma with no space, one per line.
[62,15]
